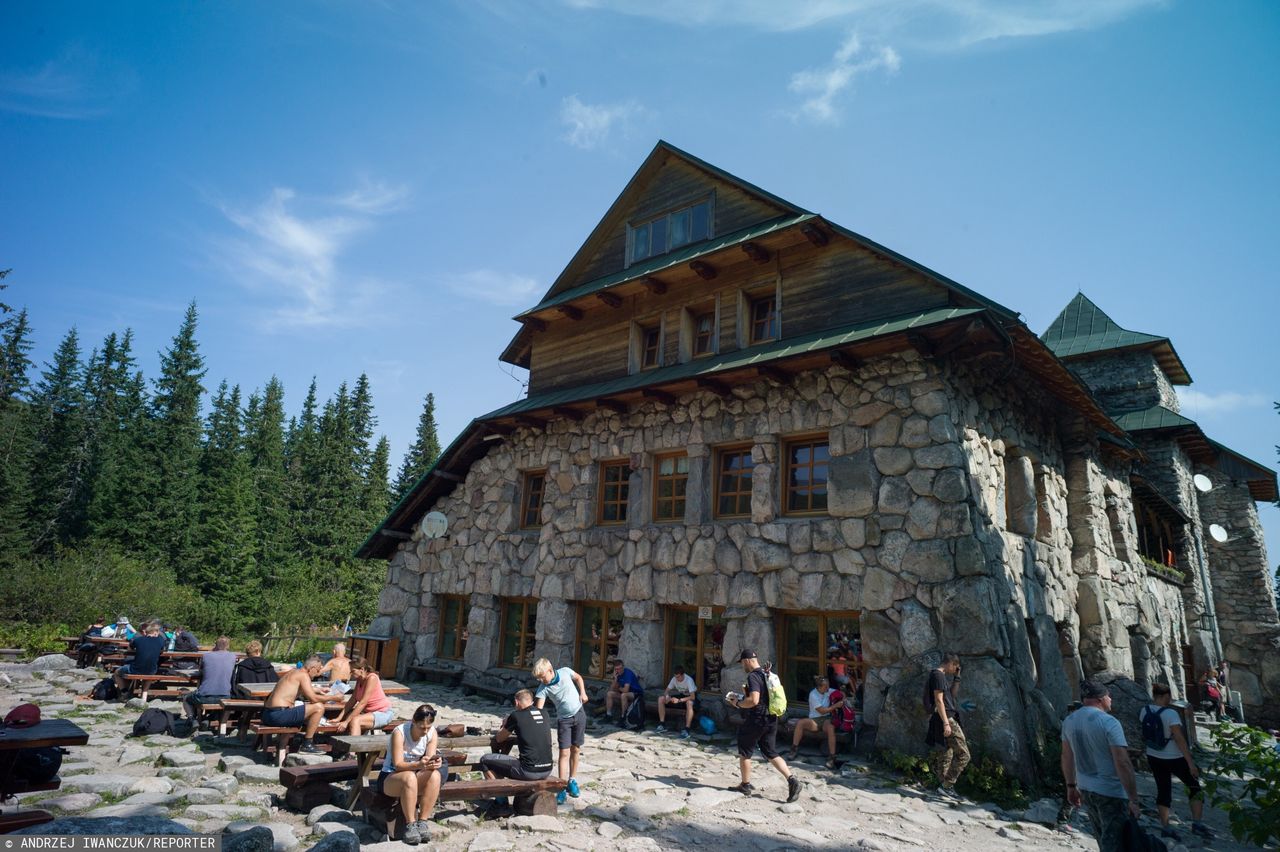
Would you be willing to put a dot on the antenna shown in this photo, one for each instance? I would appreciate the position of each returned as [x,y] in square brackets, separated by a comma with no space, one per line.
[1218,533]
[1203,483]
[434,525]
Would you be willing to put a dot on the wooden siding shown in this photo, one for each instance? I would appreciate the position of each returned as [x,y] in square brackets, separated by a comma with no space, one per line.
[822,288]
[673,186]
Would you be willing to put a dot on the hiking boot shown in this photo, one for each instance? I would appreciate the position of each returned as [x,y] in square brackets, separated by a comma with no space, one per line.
[793,788]
[562,797]
[573,788]
[1202,830]
[684,735]
[744,788]
[661,729]
[309,747]
[831,762]
[948,792]
[411,835]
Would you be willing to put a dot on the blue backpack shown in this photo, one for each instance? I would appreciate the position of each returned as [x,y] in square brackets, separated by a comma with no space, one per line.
[1153,728]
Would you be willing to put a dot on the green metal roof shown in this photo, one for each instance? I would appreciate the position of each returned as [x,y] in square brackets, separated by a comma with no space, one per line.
[666,261]
[749,357]
[1083,329]
[1155,417]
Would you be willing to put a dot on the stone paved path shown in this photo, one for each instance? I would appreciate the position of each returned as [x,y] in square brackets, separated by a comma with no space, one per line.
[640,791]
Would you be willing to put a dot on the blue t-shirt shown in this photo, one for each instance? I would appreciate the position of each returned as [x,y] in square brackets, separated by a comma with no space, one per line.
[563,692]
[628,678]
[146,654]
[1092,734]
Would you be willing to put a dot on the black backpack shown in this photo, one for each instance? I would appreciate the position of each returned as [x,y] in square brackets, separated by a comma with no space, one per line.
[154,721]
[1153,727]
[38,765]
[185,641]
[104,690]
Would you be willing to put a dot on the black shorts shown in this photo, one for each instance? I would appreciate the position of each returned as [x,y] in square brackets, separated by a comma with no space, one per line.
[1164,768]
[285,717]
[572,730]
[506,766]
[758,732]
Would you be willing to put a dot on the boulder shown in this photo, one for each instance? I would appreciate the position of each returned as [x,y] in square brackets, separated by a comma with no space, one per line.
[256,839]
[227,812]
[343,841]
[282,833]
[1044,812]
[257,774]
[152,785]
[72,802]
[181,757]
[111,785]
[98,826]
[52,662]
[852,484]
[1127,700]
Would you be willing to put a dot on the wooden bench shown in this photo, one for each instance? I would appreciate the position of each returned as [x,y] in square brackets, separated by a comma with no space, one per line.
[308,786]
[437,674]
[171,685]
[530,798]
[23,819]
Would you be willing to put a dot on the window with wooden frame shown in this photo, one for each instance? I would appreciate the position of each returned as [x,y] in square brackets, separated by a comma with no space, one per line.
[697,644]
[733,482]
[669,231]
[599,632]
[650,348]
[517,627]
[615,486]
[805,483]
[454,611]
[531,495]
[670,479]
[704,333]
[819,643]
[764,319]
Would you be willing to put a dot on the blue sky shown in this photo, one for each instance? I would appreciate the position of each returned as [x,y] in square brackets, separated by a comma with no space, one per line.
[378,187]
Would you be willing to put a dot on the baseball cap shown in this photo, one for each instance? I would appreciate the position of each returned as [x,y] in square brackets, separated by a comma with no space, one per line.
[747,654]
[1093,689]
[23,716]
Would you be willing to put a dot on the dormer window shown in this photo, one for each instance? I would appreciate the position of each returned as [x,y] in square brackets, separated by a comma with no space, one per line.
[764,319]
[704,331]
[669,232]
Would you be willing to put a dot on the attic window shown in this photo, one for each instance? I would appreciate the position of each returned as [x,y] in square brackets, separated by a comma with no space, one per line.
[669,232]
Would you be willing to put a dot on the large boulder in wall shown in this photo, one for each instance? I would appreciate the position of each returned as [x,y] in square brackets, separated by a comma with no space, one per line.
[1127,701]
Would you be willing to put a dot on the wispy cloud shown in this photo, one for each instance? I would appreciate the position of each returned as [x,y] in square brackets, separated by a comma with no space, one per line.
[821,86]
[589,125]
[78,84]
[498,288]
[1204,404]
[290,246]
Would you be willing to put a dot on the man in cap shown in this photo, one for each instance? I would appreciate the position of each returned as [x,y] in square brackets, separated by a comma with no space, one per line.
[1096,768]
[759,728]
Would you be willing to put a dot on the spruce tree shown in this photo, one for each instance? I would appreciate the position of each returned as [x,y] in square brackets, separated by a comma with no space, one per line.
[264,443]
[60,459]
[424,452]
[123,477]
[16,446]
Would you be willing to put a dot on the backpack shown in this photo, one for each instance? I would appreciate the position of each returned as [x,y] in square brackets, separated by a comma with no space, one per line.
[635,713]
[154,721]
[185,641]
[1153,728]
[104,690]
[777,695]
[38,765]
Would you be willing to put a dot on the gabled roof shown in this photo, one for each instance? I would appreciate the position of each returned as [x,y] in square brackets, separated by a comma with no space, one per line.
[1083,330]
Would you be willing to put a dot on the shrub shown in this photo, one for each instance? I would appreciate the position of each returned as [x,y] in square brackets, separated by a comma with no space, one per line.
[35,639]
[985,779]
[1249,792]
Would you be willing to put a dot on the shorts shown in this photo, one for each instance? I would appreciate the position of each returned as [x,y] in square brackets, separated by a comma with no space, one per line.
[382,718]
[284,717]
[572,730]
[506,766]
[1164,769]
[384,774]
[759,732]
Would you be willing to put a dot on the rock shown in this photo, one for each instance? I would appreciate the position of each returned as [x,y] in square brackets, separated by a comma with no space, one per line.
[227,812]
[803,834]
[230,763]
[182,757]
[282,833]
[164,740]
[704,799]
[204,796]
[110,785]
[300,759]
[152,785]
[186,774]
[257,839]
[1011,834]
[76,768]
[610,830]
[136,704]
[73,802]
[852,484]
[133,754]
[224,784]
[1045,812]
[343,841]
[650,807]
[542,822]
[257,774]
[328,813]
[138,811]
[488,841]
[91,826]
[791,808]
[52,663]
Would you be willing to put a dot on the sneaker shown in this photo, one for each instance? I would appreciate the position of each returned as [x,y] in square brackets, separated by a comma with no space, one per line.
[661,729]
[424,829]
[1202,830]
[562,797]
[573,788]
[831,762]
[793,754]
[684,735]
[948,792]
[745,788]
[411,834]
[793,788]
[309,747]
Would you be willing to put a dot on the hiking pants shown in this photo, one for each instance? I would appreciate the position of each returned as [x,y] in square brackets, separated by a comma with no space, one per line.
[949,761]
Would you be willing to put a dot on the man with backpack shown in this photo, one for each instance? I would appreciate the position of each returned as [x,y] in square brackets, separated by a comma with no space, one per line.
[945,737]
[763,702]
[1168,755]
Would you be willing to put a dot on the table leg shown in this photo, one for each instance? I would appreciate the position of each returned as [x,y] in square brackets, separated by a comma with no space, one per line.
[363,765]
[222,723]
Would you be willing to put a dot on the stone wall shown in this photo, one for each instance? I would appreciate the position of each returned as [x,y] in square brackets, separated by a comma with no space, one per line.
[1127,381]
[925,538]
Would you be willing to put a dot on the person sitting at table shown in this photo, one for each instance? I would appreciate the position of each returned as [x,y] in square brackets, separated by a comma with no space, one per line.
[216,667]
[122,629]
[413,772]
[279,711]
[339,670]
[86,651]
[369,707]
[147,648]
[253,668]
[527,725]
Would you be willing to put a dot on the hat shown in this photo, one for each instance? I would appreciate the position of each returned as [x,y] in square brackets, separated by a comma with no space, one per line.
[124,619]
[23,716]
[1093,689]
[747,654]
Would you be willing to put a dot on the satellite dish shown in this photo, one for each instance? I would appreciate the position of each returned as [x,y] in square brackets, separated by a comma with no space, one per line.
[434,525]
[1218,533]
[1203,483]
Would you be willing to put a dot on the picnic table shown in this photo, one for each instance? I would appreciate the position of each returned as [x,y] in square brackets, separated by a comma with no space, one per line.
[367,750]
[48,732]
[262,690]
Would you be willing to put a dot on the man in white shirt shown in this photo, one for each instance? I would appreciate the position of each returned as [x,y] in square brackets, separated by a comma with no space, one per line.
[1168,755]
[681,691]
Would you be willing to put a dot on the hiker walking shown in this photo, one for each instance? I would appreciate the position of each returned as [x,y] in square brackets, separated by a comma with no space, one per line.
[945,737]
[1168,755]
[760,727]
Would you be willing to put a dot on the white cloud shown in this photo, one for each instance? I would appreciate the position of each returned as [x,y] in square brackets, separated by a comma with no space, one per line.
[589,125]
[79,84]
[498,288]
[289,246]
[820,86]
[1199,403]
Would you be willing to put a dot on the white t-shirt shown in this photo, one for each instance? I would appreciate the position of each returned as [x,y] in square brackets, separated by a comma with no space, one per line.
[818,699]
[413,750]
[1170,719]
[687,686]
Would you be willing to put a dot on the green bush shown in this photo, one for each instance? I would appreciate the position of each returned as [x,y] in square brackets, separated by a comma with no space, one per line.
[1249,790]
[985,779]
[35,639]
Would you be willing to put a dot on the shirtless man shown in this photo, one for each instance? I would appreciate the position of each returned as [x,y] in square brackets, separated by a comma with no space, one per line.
[339,670]
[280,712]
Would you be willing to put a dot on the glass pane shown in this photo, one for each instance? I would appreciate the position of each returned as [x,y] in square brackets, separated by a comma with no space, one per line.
[640,243]
[666,488]
[679,228]
[511,628]
[800,454]
[701,227]
[682,464]
[657,237]
[821,453]
[448,642]
[614,618]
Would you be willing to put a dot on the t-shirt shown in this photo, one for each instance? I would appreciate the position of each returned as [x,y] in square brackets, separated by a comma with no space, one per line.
[628,678]
[216,668]
[1170,719]
[682,687]
[818,699]
[533,736]
[563,693]
[371,688]
[1092,733]
[413,749]
[756,682]
[938,683]
[146,654]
